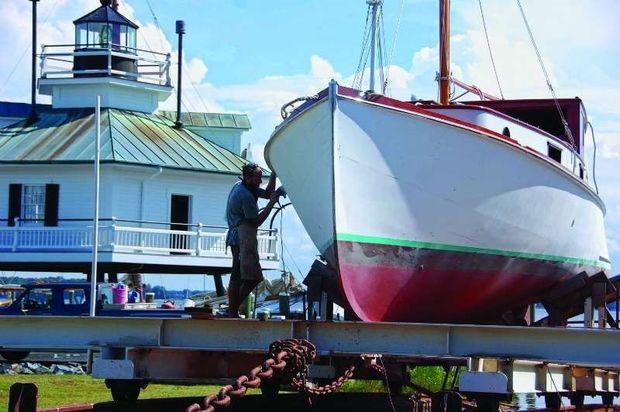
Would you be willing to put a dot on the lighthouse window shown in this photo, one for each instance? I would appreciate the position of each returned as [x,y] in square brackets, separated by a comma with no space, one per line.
[99,34]
[33,204]
[127,37]
[554,152]
[81,35]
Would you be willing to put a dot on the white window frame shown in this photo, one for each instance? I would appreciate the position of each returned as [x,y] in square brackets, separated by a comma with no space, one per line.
[33,205]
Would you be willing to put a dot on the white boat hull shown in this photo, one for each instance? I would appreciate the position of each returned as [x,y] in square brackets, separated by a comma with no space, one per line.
[431,221]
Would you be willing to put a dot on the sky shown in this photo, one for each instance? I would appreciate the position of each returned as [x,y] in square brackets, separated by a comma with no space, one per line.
[252,56]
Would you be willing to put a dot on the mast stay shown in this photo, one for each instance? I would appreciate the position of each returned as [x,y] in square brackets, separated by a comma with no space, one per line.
[373,49]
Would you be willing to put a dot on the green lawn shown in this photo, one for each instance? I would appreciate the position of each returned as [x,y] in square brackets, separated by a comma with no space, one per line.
[62,390]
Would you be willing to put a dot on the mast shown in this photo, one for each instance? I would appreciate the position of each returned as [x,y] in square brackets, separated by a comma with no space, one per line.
[374,4]
[444,52]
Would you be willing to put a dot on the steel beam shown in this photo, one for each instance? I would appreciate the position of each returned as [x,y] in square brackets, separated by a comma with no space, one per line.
[571,346]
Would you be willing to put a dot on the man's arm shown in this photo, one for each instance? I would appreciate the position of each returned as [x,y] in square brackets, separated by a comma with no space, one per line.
[271,186]
[264,214]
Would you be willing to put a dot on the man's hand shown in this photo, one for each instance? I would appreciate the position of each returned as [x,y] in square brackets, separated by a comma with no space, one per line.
[274,197]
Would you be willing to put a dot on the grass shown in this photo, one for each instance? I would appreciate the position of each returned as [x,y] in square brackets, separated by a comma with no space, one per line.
[62,390]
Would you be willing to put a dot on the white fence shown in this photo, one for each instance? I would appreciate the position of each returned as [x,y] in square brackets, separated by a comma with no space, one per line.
[198,240]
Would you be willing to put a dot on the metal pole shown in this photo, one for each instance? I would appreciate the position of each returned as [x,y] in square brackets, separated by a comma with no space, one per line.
[444,51]
[33,84]
[180,30]
[374,4]
[617,307]
[93,270]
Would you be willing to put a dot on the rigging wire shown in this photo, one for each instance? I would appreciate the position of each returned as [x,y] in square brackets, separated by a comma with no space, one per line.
[156,20]
[390,55]
[486,34]
[381,51]
[544,70]
[185,70]
[382,54]
[593,157]
[283,246]
[26,50]
[361,65]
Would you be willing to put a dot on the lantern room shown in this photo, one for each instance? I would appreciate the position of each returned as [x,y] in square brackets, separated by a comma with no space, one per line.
[105,28]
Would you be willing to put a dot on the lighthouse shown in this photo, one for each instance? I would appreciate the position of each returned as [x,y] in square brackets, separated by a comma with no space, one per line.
[105,61]
[163,187]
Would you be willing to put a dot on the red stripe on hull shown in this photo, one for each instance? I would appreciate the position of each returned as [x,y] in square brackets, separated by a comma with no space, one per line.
[390,286]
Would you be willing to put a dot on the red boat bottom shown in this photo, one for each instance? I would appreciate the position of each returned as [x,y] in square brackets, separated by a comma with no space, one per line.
[398,284]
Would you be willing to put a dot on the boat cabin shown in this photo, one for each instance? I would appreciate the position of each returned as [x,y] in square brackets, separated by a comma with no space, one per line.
[533,123]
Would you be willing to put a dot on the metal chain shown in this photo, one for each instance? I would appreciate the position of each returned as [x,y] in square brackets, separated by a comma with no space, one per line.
[289,357]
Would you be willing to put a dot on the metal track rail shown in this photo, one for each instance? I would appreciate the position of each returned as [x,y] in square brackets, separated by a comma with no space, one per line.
[583,347]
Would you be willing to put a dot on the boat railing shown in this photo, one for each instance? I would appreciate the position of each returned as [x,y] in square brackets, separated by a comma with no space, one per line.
[127,236]
[58,61]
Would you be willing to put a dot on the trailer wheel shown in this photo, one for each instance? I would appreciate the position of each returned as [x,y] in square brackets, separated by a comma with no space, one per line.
[13,356]
[124,391]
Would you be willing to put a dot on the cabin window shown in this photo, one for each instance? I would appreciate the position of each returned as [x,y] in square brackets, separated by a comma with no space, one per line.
[554,152]
[38,298]
[73,297]
[506,132]
[33,204]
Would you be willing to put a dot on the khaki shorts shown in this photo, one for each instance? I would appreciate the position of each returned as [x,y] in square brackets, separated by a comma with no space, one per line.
[246,265]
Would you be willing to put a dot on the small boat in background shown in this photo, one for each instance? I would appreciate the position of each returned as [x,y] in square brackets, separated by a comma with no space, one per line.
[442,212]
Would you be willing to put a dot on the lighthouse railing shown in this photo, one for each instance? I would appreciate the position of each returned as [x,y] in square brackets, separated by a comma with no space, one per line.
[60,61]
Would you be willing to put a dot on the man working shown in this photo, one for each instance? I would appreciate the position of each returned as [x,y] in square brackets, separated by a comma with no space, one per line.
[243,222]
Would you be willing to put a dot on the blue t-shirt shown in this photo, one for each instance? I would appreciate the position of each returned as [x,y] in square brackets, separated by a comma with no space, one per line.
[242,205]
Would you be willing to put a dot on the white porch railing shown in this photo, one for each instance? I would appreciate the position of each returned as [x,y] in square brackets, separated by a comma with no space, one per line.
[198,240]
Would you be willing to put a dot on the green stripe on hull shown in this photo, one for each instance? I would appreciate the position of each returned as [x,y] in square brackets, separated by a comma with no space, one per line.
[349,237]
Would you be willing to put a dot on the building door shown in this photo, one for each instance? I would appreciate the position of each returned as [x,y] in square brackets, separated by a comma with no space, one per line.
[179,218]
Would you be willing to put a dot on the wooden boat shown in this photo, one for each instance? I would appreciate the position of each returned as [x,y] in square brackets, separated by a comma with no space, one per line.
[442,212]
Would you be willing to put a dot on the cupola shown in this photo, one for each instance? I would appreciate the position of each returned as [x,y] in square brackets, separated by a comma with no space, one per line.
[105,28]
[105,60]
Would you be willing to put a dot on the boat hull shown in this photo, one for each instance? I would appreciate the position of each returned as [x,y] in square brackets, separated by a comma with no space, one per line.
[429,221]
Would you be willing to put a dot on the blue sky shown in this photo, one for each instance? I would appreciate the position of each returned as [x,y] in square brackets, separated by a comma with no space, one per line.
[252,56]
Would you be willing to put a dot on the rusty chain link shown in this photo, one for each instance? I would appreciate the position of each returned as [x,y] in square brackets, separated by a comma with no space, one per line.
[290,357]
